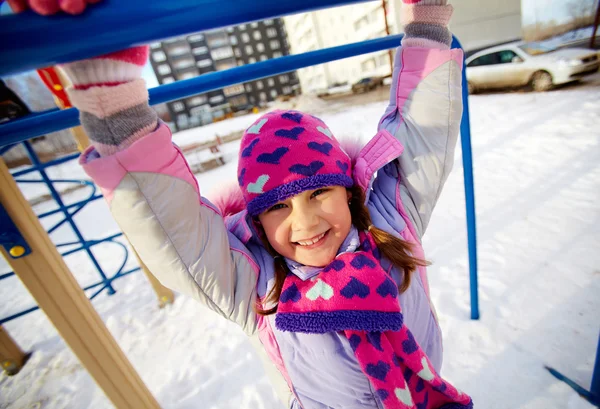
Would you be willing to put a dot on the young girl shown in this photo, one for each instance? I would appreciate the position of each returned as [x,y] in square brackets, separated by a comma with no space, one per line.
[319,260]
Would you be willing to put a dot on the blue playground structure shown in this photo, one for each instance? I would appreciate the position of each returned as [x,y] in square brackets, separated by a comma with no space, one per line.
[28,41]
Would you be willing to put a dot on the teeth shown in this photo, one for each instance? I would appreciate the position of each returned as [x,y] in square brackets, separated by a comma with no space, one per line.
[312,241]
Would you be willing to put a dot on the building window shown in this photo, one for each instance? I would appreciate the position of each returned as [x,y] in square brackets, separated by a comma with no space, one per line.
[178,50]
[271,32]
[226,65]
[277,54]
[230,29]
[273,94]
[216,99]
[182,121]
[155,46]
[251,60]
[159,56]
[204,63]
[274,44]
[239,101]
[233,90]
[245,37]
[237,52]
[242,27]
[221,53]
[254,25]
[183,63]
[178,106]
[287,90]
[233,40]
[248,87]
[197,100]
[187,75]
[263,57]
[164,69]
[271,82]
[257,35]
[196,37]
[268,22]
[200,50]
[263,96]
[252,99]
[168,80]
[248,49]
[259,85]
[260,47]
[283,79]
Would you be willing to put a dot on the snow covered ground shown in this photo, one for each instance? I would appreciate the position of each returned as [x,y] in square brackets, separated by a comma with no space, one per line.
[537,176]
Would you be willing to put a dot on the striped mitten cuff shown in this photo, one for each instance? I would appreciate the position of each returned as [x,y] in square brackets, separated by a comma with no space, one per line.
[112,99]
[426,23]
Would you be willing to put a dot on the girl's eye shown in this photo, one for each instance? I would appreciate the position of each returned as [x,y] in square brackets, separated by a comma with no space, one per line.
[276,207]
[318,192]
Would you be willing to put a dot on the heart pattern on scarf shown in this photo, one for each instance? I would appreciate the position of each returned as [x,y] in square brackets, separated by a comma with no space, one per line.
[272,158]
[361,261]
[403,395]
[388,287]
[241,177]
[425,373]
[354,341]
[293,116]
[255,129]
[374,339]
[246,153]
[337,265]
[290,294]
[355,288]
[409,345]
[290,133]
[320,289]
[324,148]
[258,186]
[378,370]
[305,170]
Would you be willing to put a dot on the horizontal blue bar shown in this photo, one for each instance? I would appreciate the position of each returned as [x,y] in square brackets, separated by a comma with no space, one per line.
[26,128]
[29,41]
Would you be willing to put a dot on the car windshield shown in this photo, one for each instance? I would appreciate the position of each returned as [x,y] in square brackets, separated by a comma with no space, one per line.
[537,48]
[364,80]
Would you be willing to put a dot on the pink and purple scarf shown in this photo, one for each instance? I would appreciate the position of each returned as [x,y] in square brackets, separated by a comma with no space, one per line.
[354,295]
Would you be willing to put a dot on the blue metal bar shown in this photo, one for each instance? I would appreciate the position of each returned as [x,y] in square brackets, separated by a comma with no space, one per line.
[45,165]
[467,158]
[114,25]
[25,128]
[36,162]
[17,315]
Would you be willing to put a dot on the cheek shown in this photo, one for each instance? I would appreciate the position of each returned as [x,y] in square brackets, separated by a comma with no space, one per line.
[276,232]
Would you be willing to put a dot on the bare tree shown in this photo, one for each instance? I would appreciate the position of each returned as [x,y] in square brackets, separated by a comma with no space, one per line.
[581,12]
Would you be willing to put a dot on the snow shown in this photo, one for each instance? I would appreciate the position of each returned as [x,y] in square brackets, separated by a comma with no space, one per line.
[537,182]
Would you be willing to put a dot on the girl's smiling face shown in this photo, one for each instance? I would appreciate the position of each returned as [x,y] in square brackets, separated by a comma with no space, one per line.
[310,227]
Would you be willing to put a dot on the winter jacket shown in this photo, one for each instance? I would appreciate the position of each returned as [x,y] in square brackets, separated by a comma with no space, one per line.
[191,248]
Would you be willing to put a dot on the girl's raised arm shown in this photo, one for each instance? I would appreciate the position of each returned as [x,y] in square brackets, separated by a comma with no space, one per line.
[151,191]
[425,107]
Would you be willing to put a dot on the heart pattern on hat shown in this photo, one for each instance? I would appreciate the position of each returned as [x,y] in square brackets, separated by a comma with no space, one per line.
[324,148]
[247,152]
[325,132]
[255,129]
[293,116]
[272,158]
[290,133]
[259,185]
[307,170]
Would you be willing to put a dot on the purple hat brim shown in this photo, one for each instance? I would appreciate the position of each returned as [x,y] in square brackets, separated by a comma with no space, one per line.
[264,201]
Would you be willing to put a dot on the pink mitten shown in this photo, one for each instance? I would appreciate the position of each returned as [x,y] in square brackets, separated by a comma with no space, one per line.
[49,7]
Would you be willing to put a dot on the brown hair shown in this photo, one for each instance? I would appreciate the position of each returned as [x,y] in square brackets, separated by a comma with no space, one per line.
[391,247]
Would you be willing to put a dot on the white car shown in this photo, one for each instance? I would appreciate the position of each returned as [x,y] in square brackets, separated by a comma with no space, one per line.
[519,63]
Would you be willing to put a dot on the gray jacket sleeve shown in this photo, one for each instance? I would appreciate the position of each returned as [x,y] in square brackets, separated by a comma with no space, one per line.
[181,238]
[424,115]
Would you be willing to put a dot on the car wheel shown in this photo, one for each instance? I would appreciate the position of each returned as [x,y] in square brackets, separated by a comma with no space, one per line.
[541,81]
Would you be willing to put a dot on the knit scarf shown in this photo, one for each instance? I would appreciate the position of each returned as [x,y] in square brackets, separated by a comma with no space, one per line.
[355,296]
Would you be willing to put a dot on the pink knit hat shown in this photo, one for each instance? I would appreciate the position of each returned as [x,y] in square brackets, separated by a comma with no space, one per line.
[285,153]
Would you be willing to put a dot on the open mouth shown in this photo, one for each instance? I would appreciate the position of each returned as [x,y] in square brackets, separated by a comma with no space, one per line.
[313,242]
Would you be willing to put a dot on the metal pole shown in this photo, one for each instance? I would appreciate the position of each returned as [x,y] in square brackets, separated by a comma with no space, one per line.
[114,25]
[596,22]
[387,32]
[467,158]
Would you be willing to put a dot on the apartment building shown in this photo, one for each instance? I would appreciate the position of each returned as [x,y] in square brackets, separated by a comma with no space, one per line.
[200,53]
[475,22]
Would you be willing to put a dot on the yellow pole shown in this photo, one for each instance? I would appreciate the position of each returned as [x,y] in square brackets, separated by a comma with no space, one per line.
[46,276]
[165,295]
[12,358]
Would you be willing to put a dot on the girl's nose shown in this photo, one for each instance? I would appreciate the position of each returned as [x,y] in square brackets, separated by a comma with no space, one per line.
[304,218]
